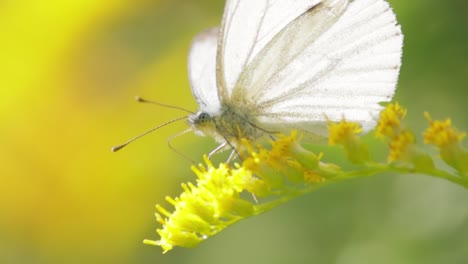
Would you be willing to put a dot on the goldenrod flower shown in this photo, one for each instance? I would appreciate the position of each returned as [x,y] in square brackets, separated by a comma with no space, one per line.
[400,146]
[401,141]
[447,139]
[215,202]
[347,134]
[441,133]
[343,132]
[390,122]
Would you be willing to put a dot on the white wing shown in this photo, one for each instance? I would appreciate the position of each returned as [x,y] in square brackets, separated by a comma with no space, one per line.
[337,60]
[246,28]
[202,70]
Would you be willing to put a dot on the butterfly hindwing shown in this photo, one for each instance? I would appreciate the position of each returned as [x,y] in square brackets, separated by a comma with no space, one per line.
[202,69]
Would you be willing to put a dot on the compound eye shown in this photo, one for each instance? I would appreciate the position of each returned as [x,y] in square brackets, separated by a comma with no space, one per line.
[203,117]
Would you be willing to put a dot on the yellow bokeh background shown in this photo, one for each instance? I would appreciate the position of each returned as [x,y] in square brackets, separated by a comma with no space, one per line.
[68,73]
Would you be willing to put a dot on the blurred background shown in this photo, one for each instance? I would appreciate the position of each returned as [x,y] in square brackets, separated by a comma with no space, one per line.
[69,71]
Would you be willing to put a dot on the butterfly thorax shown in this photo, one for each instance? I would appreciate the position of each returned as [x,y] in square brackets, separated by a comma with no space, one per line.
[230,124]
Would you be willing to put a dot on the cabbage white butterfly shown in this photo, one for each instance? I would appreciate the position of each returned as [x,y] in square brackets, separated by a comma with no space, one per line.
[275,66]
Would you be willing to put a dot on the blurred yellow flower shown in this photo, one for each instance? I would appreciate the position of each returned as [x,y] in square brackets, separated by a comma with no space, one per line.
[60,192]
[399,146]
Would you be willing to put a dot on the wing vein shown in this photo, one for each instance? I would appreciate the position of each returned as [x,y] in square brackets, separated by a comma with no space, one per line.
[257,35]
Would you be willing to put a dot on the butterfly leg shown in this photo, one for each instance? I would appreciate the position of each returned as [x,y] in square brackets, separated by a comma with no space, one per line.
[217,149]
[232,156]
[169,144]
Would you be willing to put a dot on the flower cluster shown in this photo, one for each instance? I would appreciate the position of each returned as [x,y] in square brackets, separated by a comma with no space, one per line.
[391,127]
[224,195]
[447,139]
[267,177]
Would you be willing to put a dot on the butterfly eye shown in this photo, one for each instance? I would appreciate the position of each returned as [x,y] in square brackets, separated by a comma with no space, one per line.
[203,117]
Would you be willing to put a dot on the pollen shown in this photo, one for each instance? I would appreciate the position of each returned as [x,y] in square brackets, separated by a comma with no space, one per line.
[390,122]
[399,146]
[342,132]
[441,133]
[347,134]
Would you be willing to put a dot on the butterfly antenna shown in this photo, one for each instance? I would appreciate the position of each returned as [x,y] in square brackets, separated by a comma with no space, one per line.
[119,147]
[142,100]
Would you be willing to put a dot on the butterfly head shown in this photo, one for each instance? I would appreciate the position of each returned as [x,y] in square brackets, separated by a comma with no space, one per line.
[202,123]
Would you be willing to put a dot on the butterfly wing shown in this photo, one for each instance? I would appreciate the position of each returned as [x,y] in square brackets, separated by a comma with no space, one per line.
[202,70]
[246,29]
[335,60]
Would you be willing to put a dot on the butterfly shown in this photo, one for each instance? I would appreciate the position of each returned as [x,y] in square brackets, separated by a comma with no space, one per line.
[276,66]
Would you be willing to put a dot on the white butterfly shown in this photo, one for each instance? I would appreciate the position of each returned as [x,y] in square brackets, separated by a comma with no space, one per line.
[278,65]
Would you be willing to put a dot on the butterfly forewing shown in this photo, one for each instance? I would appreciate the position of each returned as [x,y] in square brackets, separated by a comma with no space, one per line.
[283,59]
[247,27]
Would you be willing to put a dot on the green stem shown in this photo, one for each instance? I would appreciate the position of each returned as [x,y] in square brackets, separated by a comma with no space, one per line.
[370,170]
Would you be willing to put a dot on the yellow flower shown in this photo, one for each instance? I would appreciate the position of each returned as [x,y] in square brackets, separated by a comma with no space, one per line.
[343,132]
[441,133]
[390,122]
[347,134]
[215,201]
[313,177]
[400,146]
[401,141]
[447,139]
